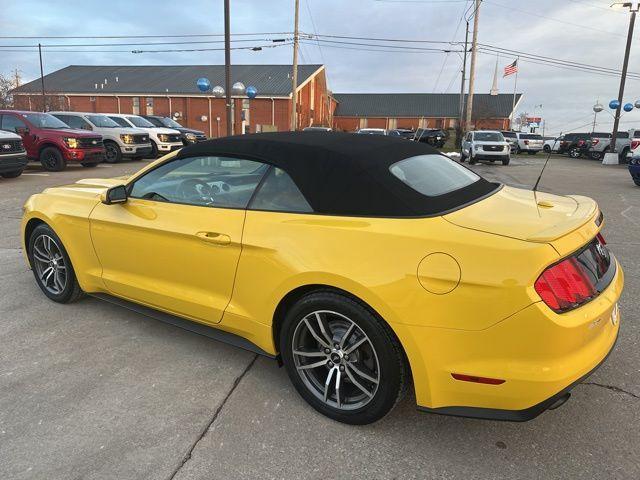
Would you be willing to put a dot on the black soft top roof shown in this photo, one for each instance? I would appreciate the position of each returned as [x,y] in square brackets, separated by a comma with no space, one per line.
[343,173]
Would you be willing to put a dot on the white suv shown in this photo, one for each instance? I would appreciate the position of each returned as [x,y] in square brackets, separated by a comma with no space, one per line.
[119,142]
[485,145]
[163,140]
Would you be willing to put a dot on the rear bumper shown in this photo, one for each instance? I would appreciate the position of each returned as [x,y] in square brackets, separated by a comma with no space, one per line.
[13,161]
[539,354]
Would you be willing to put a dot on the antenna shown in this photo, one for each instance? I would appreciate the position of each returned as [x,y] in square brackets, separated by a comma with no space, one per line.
[535,187]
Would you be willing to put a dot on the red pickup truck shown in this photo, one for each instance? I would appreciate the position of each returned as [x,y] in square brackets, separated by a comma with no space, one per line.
[52,141]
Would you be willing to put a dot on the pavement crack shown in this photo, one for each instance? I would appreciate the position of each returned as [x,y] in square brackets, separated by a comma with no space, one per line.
[612,388]
[204,431]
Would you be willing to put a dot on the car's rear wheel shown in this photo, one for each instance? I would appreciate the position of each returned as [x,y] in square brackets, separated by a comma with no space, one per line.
[52,160]
[112,152]
[154,150]
[463,157]
[574,152]
[343,359]
[13,174]
[595,155]
[51,266]
[472,160]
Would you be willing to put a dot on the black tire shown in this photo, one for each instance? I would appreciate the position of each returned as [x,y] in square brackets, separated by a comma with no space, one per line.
[472,160]
[14,174]
[393,373]
[506,161]
[596,155]
[89,164]
[71,291]
[637,182]
[52,160]
[547,149]
[154,150]
[112,152]
[463,157]
[622,158]
[518,150]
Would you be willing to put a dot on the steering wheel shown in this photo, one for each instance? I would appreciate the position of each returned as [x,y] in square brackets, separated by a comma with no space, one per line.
[195,189]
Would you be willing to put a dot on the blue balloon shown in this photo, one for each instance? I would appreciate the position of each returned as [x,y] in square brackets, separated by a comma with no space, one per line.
[203,84]
[628,107]
[252,92]
[614,104]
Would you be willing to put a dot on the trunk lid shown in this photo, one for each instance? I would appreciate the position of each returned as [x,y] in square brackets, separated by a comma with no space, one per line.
[564,221]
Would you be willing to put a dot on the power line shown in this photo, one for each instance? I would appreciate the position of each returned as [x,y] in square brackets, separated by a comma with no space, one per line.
[63,45]
[189,35]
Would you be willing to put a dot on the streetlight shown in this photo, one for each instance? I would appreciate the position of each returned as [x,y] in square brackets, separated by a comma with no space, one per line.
[597,108]
[612,157]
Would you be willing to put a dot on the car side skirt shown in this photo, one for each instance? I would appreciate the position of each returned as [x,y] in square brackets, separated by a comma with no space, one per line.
[524,415]
[199,328]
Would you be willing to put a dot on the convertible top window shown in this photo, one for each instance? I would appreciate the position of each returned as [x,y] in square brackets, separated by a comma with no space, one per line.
[433,175]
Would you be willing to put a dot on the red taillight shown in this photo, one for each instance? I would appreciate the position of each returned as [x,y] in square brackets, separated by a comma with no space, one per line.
[635,144]
[580,143]
[564,285]
[595,142]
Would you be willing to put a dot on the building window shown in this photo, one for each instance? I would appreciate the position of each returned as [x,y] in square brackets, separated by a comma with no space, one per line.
[149,105]
[136,105]
[92,99]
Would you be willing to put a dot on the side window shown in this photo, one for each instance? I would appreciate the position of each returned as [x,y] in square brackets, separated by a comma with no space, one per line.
[74,122]
[469,136]
[278,193]
[12,123]
[203,181]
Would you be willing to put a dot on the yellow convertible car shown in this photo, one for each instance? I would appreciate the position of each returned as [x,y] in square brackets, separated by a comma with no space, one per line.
[364,264]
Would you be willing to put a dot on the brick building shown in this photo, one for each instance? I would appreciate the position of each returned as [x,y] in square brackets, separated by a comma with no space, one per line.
[172,91]
[413,110]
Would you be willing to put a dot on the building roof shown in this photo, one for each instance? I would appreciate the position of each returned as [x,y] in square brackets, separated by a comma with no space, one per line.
[432,105]
[344,173]
[270,80]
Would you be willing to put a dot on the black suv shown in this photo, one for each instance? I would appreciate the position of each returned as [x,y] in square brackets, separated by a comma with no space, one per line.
[574,144]
[434,137]
[189,135]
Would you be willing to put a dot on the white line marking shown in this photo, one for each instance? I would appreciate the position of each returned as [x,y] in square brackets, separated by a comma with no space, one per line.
[37,174]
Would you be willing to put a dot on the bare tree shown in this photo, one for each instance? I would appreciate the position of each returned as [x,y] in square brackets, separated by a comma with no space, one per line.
[6,85]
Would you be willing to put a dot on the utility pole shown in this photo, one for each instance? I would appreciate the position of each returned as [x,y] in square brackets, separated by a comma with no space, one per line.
[16,76]
[227,66]
[472,72]
[44,98]
[633,7]
[294,76]
[461,126]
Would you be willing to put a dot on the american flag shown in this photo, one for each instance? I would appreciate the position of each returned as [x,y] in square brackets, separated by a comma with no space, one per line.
[511,69]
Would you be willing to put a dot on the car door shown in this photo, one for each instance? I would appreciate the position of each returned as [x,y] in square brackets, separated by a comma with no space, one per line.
[175,243]
[466,145]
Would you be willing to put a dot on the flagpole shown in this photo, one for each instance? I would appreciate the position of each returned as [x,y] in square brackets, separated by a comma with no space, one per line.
[515,89]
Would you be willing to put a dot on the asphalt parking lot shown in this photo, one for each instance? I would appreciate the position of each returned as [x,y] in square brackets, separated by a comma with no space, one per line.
[93,391]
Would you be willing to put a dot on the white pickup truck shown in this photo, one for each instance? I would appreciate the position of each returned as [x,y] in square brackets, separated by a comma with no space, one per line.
[599,144]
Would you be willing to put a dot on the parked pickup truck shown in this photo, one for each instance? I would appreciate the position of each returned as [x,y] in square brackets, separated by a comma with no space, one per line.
[601,144]
[118,141]
[51,141]
[13,157]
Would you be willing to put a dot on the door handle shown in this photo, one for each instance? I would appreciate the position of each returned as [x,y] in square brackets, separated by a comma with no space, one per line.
[214,237]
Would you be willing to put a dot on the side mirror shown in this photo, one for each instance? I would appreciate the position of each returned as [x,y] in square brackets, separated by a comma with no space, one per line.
[22,130]
[117,194]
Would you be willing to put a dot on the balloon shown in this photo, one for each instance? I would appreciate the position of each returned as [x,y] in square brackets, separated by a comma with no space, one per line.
[203,84]
[218,91]
[252,91]
[238,88]
[637,105]
[614,104]
[628,107]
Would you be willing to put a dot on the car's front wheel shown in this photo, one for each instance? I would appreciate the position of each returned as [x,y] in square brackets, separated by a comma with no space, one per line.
[51,266]
[342,358]
[52,160]
[112,152]
[574,153]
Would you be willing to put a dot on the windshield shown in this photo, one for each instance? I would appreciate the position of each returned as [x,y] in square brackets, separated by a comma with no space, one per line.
[140,122]
[120,121]
[167,122]
[488,137]
[44,120]
[433,175]
[102,121]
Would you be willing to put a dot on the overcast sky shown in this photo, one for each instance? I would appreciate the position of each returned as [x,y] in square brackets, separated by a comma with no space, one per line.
[595,35]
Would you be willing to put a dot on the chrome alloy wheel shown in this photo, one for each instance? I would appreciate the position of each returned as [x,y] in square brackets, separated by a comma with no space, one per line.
[336,360]
[49,264]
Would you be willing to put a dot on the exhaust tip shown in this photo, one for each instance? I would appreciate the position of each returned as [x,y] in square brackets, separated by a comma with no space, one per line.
[560,401]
